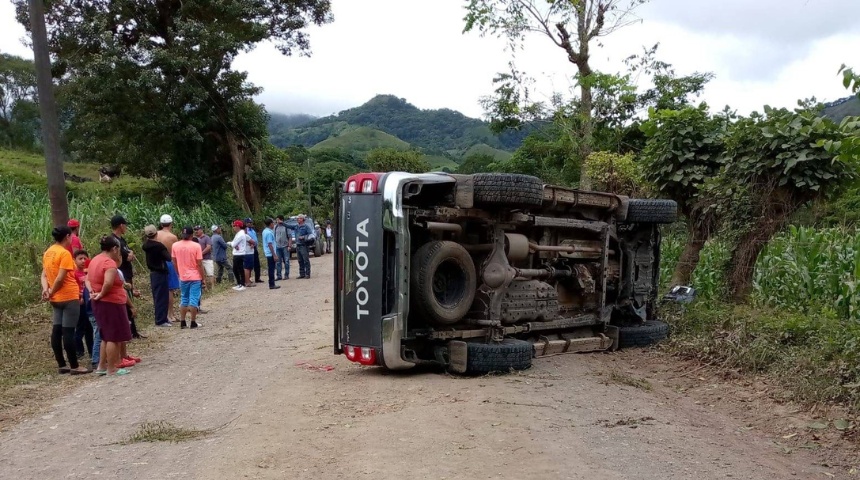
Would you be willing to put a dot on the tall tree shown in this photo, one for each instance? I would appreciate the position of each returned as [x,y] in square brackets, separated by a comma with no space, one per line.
[152,84]
[571,25]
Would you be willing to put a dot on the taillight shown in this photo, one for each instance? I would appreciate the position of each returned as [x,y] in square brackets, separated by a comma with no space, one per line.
[363,183]
[362,355]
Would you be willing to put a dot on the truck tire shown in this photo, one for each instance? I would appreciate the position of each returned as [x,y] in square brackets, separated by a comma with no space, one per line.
[508,355]
[507,189]
[642,335]
[318,249]
[652,211]
[443,282]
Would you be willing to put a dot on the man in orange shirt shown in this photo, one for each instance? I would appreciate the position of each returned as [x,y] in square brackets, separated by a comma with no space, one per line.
[188,260]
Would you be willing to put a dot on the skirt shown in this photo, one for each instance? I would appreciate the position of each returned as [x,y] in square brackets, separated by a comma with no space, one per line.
[112,320]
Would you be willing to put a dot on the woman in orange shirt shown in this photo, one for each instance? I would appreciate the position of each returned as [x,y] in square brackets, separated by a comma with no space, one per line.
[60,288]
[108,302]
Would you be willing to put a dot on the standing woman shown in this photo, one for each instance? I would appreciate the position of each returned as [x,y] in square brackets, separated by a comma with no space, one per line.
[60,288]
[239,244]
[108,301]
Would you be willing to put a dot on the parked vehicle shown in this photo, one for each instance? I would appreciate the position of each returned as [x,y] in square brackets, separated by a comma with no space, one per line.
[292,224]
[483,272]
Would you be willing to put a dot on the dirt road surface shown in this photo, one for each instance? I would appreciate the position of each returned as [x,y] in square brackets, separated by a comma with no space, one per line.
[254,377]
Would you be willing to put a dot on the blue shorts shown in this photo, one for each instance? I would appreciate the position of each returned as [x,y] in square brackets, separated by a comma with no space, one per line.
[172,277]
[248,263]
[190,293]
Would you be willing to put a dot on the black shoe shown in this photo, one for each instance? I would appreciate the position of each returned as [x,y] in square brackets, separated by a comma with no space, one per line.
[184,325]
[194,324]
[275,287]
[138,336]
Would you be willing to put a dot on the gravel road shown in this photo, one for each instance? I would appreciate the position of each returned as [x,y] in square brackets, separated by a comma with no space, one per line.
[254,377]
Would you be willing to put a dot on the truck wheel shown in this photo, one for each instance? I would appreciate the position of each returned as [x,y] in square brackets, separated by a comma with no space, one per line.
[507,189]
[318,249]
[652,211]
[642,335]
[443,282]
[508,355]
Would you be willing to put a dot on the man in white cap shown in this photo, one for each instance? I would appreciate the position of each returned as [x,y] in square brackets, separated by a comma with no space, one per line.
[165,236]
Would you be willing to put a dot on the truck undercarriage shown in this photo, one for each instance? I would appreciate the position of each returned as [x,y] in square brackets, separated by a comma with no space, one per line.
[493,269]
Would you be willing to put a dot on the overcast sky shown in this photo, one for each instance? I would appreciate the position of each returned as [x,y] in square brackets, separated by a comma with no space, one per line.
[762,52]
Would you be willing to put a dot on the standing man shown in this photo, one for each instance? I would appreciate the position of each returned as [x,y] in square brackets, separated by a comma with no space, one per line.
[249,227]
[328,236]
[282,248]
[167,238]
[239,245]
[76,244]
[208,264]
[270,252]
[305,237]
[219,255]
[120,226]
[188,260]
[157,258]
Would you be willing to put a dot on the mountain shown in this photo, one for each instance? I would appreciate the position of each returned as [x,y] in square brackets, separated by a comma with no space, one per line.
[439,131]
[280,121]
[844,107]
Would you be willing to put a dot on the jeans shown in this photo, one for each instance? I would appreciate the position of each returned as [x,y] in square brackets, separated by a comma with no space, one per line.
[328,244]
[97,341]
[220,267]
[304,260]
[84,333]
[270,263]
[256,265]
[160,295]
[283,260]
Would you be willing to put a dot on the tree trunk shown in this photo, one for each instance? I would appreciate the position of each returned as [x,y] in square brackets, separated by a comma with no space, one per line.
[238,179]
[586,140]
[689,259]
[48,112]
[773,218]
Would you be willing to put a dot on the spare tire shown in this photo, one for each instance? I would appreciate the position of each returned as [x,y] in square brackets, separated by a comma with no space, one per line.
[509,354]
[651,211]
[507,189]
[643,334]
[443,282]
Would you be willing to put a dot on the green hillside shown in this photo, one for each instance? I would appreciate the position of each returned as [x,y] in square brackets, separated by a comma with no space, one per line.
[484,149]
[431,130]
[28,170]
[362,140]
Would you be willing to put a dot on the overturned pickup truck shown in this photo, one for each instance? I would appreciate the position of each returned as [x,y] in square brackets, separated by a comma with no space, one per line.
[481,273]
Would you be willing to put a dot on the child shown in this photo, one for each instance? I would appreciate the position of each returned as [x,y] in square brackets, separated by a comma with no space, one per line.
[87,330]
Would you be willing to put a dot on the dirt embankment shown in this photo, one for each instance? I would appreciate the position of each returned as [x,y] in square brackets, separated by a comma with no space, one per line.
[254,385]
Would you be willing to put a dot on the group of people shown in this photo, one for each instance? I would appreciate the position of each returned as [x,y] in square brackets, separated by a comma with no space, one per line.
[91,298]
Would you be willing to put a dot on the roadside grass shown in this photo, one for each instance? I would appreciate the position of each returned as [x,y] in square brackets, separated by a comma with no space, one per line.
[801,327]
[622,378]
[162,431]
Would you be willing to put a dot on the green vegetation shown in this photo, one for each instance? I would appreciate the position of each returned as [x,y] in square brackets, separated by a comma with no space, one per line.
[362,140]
[389,160]
[484,149]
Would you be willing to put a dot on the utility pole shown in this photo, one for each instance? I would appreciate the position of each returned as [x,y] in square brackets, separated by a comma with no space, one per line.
[310,203]
[48,112]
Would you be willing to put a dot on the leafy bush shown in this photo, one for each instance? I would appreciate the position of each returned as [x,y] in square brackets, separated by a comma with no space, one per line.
[611,172]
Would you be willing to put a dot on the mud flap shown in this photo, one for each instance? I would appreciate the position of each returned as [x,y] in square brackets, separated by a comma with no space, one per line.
[457,356]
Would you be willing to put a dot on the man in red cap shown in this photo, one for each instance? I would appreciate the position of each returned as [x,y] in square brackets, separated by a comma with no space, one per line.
[76,244]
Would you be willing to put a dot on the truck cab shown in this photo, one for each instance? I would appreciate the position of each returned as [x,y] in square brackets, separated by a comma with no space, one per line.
[484,272]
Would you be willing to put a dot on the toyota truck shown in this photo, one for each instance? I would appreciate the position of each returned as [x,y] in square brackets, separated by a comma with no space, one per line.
[482,273]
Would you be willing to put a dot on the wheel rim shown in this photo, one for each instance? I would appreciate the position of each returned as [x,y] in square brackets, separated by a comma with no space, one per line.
[449,284]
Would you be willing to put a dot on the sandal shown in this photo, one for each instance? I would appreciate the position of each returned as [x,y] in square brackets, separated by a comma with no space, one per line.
[101,373]
[122,371]
[64,370]
[81,372]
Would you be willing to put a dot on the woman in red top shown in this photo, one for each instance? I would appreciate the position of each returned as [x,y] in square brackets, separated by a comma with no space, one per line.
[108,302]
